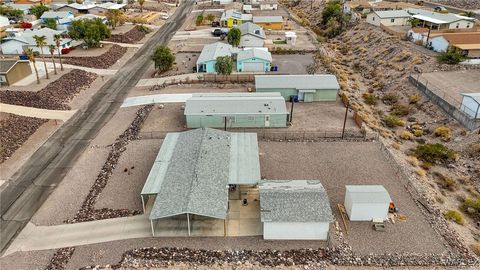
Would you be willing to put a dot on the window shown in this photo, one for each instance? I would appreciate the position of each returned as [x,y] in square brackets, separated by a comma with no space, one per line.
[468,25]
[392,20]
[373,18]
[458,25]
[251,118]
[3,79]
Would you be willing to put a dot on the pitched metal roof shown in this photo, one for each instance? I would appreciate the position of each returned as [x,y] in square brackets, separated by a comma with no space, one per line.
[193,169]
[235,103]
[367,194]
[294,201]
[393,14]
[437,18]
[254,53]
[235,14]
[298,82]
[56,14]
[27,36]
[267,19]
[249,28]
[213,51]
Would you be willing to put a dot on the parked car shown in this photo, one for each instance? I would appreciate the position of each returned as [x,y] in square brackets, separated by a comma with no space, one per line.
[215,24]
[218,32]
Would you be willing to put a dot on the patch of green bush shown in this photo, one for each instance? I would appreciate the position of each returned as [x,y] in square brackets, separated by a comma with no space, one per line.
[400,109]
[450,57]
[370,99]
[471,207]
[434,152]
[394,121]
[455,216]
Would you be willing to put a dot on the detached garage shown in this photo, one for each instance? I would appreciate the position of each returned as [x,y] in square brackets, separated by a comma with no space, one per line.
[294,210]
[254,60]
[366,202]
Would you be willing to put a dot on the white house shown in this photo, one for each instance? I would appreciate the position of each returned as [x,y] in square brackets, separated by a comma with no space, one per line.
[389,18]
[4,22]
[16,44]
[268,5]
[252,35]
[366,202]
[439,21]
[62,18]
[471,104]
[418,35]
[294,210]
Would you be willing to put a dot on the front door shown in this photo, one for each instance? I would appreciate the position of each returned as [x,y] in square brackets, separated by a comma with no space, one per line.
[267,120]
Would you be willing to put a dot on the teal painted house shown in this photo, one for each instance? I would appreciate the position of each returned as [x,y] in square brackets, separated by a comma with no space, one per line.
[307,88]
[254,60]
[208,57]
[236,110]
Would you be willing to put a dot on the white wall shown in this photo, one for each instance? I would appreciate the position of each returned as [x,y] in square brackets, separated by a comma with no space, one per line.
[461,24]
[295,230]
[396,21]
[268,6]
[373,18]
[439,44]
[12,47]
[367,211]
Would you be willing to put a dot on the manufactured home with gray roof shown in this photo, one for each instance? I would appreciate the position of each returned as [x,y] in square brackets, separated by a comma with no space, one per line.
[236,110]
[306,88]
[208,57]
[193,169]
[294,210]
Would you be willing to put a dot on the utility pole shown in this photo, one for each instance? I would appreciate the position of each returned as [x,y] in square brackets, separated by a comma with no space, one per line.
[428,36]
[291,110]
[225,120]
[345,120]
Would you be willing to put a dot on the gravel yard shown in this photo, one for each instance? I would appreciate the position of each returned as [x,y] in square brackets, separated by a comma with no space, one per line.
[105,60]
[166,119]
[31,260]
[453,83]
[339,163]
[292,63]
[124,187]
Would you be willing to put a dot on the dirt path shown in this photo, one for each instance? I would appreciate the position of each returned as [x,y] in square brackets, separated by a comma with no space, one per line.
[37,113]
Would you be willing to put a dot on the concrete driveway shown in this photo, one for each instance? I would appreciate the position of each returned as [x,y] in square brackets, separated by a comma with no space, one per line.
[292,63]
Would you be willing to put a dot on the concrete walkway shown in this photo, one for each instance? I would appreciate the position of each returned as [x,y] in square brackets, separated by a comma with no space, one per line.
[35,112]
[203,33]
[158,81]
[97,71]
[126,45]
[153,99]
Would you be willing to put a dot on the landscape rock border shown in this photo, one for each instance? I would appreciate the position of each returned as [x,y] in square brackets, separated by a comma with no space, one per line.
[60,258]
[103,61]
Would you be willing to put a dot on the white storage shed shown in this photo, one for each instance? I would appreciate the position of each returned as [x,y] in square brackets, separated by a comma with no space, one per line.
[294,210]
[366,202]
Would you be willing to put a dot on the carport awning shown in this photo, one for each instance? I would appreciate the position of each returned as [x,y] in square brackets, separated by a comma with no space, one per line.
[307,91]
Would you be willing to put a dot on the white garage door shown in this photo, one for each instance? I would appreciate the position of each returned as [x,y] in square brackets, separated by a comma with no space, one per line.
[253,66]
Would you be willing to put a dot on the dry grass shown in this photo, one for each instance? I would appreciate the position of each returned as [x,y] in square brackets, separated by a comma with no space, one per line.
[413,161]
[455,216]
[421,172]
[444,132]
[406,135]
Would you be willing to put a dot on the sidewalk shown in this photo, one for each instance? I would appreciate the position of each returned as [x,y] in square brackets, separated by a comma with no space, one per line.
[35,112]
[158,81]
[126,45]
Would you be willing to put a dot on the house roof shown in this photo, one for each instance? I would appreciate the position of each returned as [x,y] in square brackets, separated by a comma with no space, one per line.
[235,103]
[56,14]
[6,65]
[110,5]
[268,19]
[197,166]
[82,6]
[27,36]
[470,40]
[437,18]
[294,201]
[254,53]
[392,14]
[231,13]
[299,82]
[252,29]
[367,194]
[213,51]
[89,17]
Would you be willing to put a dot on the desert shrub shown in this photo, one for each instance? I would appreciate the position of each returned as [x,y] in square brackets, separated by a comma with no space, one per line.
[426,165]
[434,152]
[413,161]
[394,121]
[418,132]
[370,99]
[473,149]
[414,99]
[446,182]
[390,98]
[471,207]
[406,135]
[443,132]
[476,248]
[455,216]
[199,20]
[451,57]
[421,172]
[400,109]
[396,145]
[144,28]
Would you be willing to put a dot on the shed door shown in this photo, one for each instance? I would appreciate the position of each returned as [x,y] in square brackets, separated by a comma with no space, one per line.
[253,67]
[267,120]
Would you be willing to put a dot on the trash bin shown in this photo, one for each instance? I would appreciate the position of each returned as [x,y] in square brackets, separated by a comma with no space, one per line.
[295,98]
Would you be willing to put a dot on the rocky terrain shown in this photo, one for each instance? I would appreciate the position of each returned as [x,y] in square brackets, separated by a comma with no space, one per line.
[105,60]
[466,4]
[14,131]
[132,36]
[55,95]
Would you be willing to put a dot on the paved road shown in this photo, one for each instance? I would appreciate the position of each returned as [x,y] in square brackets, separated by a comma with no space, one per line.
[449,8]
[29,187]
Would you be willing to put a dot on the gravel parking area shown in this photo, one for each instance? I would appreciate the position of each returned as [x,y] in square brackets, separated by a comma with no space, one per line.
[453,83]
[124,187]
[292,63]
[191,88]
[337,164]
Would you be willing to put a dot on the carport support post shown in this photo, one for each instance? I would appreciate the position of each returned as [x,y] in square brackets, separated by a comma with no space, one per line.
[345,120]
[143,203]
[188,223]
[153,230]
[291,109]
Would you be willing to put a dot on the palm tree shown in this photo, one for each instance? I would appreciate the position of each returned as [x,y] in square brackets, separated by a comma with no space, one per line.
[141,3]
[31,57]
[52,51]
[41,42]
[58,38]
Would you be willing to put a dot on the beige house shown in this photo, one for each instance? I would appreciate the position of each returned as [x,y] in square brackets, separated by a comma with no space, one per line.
[12,71]
[389,18]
